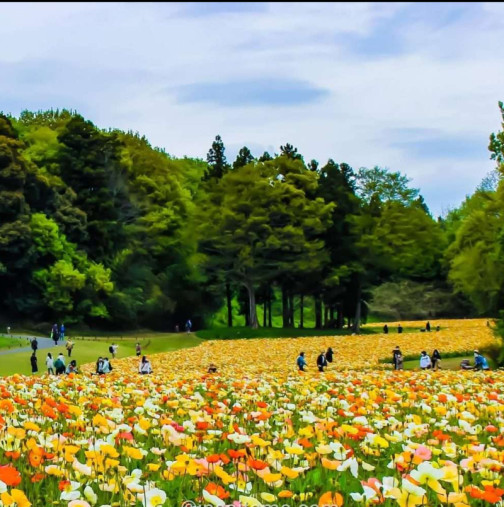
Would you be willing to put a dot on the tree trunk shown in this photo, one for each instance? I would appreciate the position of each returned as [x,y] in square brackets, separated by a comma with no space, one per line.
[326,315]
[265,312]
[301,319]
[340,321]
[356,326]
[291,310]
[285,308]
[269,310]
[318,312]
[229,307]
[331,314]
[252,315]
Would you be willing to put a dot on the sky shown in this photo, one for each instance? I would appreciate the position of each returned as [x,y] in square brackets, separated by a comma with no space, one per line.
[411,87]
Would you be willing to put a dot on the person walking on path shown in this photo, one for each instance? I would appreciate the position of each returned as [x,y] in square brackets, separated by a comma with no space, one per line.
[34,344]
[188,326]
[385,329]
[425,361]
[436,358]
[62,332]
[69,347]
[55,333]
[145,366]
[329,355]
[301,362]
[397,358]
[50,364]
[138,350]
[321,361]
[33,361]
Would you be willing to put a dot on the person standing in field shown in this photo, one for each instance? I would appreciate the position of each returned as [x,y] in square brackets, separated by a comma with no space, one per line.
[34,345]
[385,329]
[188,326]
[427,326]
[397,358]
[33,362]
[50,364]
[321,361]
[138,350]
[62,332]
[59,364]
[329,355]
[399,329]
[69,347]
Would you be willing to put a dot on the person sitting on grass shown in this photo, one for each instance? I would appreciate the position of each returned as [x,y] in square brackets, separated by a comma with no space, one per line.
[72,367]
[106,366]
[480,362]
[425,361]
[301,362]
[99,366]
[145,366]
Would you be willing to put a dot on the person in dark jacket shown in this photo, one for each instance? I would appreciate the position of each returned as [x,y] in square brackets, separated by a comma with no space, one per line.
[385,329]
[427,326]
[34,344]
[329,355]
[321,361]
[33,361]
[399,328]
[397,358]
[435,358]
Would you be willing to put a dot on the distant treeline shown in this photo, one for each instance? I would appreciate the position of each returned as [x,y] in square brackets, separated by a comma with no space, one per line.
[99,227]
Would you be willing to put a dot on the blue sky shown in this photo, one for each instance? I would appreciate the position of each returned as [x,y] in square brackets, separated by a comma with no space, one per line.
[412,87]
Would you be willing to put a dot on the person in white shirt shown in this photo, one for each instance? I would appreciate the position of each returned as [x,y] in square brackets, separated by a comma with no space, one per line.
[425,361]
[50,363]
[145,366]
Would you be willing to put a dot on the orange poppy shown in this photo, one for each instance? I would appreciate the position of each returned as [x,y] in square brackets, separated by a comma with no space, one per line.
[9,475]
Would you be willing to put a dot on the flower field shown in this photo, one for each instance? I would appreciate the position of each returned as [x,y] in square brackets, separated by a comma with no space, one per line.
[258,432]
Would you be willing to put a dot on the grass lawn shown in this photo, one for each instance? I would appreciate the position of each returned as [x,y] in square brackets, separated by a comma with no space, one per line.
[11,343]
[233,333]
[87,350]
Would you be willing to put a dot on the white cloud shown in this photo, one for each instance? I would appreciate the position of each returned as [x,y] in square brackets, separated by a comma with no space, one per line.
[391,69]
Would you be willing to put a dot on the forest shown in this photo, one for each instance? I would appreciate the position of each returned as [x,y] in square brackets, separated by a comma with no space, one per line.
[99,228]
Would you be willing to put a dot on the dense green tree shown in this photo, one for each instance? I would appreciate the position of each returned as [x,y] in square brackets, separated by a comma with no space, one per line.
[15,234]
[90,164]
[243,158]
[216,159]
[257,225]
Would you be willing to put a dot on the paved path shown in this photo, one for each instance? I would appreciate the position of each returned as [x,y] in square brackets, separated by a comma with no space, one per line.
[43,343]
